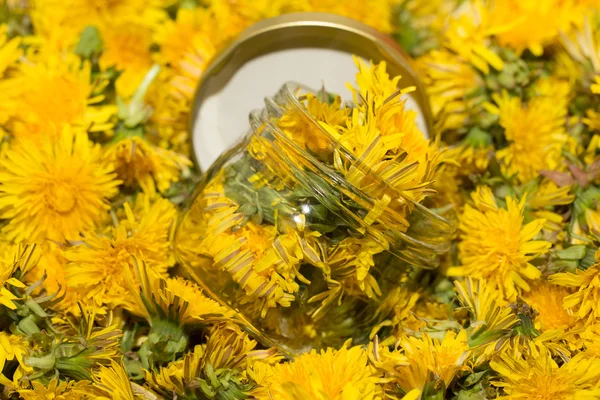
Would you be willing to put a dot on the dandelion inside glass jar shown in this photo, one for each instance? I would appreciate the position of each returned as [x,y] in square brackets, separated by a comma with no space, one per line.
[309,227]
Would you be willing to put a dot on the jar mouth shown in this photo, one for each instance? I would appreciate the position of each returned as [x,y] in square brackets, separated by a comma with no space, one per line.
[393,219]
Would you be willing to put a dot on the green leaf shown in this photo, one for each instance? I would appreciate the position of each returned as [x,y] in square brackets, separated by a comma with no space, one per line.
[475,377]
[478,138]
[577,252]
[89,43]
[433,391]
[588,260]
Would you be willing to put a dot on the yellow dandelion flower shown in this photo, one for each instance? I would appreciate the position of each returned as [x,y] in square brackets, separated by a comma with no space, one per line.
[298,128]
[188,70]
[10,51]
[582,54]
[449,81]
[177,37]
[139,163]
[486,305]
[97,267]
[587,291]
[535,134]
[591,339]
[411,363]
[52,34]
[540,377]
[566,67]
[373,84]
[593,147]
[592,119]
[99,342]
[377,13]
[381,129]
[494,243]
[547,301]
[55,91]
[56,389]
[18,258]
[401,303]
[533,24]
[468,35]
[592,220]
[232,16]
[330,374]
[54,189]
[12,348]
[112,383]
[447,183]
[554,87]
[250,255]
[542,202]
[170,118]
[430,14]
[214,369]
[127,49]
[80,13]
[51,264]
[472,155]
[175,299]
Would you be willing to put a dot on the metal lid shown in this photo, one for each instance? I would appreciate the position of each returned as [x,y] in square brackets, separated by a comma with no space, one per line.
[313,49]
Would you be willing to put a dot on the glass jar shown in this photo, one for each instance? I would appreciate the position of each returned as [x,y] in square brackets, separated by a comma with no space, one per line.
[307,243]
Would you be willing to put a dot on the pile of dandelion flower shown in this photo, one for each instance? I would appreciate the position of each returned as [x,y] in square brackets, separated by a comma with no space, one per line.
[95,99]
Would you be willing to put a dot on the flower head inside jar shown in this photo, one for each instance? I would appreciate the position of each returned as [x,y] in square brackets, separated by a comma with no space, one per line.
[307,226]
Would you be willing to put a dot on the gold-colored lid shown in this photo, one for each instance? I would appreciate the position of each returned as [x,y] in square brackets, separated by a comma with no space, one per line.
[308,30]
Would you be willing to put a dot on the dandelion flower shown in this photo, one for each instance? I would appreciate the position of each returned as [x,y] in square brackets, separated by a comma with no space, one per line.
[139,163]
[112,383]
[547,301]
[127,49]
[215,369]
[331,374]
[412,362]
[170,118]
[490,317]
[533,24]
[80,13]
[547,196]
[175,299]
[96,268]
[540,377]
[187,71]
[468,35]
[376,13]
[12,347]
[176,37]
[56,389]
[449,82]
[383,134]
[495,245]
[535,134]
[19,258]
[56,91]
[54,190]
[587,290]
[591,339]
[51,264]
